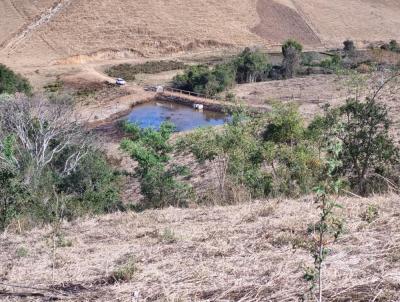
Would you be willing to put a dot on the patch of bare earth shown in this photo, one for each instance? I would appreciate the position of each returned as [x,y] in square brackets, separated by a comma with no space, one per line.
[248,252]
[279,22]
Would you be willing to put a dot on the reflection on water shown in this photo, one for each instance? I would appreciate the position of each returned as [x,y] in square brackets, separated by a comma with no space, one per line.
[152,114]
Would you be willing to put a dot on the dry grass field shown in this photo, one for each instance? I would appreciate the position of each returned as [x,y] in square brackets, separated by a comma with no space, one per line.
[79,31]
[248,252]
[312,93]
[252,251]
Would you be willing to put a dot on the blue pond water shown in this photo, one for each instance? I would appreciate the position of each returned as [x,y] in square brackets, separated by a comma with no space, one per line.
[154,113]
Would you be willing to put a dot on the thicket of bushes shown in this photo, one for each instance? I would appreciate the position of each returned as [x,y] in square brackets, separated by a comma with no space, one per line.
[48,169]
[266,156]
[278,155]
[129,71]
[10,82]
[249,66]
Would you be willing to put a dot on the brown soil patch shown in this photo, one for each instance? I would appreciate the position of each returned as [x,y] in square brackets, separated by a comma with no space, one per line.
[280,22]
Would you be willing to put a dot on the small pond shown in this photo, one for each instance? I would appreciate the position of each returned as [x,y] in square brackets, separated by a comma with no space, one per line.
[154,113]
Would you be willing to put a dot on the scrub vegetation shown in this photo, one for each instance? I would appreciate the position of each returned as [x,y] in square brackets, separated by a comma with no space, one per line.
[129,71]
[11,82]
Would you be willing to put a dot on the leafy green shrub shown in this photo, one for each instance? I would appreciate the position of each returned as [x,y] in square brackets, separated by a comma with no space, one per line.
[296,169]
[369,153]
[370,214]
[307,59]
[291,44]
[332,63]
[293,156]
[129,71]
[94,187]
[394,46]
[13,194]
[126,272]
[10,82]
[158,179]
[234,154]
[131,129]
[285,125]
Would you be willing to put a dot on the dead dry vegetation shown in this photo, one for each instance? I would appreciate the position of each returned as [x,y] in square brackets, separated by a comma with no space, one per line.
[248,252]
[80,31]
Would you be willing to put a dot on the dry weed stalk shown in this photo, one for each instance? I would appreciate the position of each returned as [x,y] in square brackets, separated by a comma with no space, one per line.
[59,208]
[221,164]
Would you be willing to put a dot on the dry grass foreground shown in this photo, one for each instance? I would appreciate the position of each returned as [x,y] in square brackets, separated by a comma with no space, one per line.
[37,33]
[248,252]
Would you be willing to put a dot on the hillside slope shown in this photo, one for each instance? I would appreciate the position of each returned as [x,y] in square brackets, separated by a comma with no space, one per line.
[250,252]
[83,30]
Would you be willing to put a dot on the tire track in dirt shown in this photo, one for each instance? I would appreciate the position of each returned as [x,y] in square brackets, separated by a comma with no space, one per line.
[10,45]
[279,22]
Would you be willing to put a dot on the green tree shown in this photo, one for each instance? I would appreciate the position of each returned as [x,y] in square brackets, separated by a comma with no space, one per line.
[251,66]
[349,47]
[291,51]
[369,149]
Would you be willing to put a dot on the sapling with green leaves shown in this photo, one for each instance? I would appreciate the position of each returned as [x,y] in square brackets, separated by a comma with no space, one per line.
[158,176]
[329,226]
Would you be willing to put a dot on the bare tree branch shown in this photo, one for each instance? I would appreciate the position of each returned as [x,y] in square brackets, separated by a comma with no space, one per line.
[43,131]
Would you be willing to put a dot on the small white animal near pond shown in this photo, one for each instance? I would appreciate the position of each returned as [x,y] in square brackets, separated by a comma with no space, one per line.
[198,106]
[120,82]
